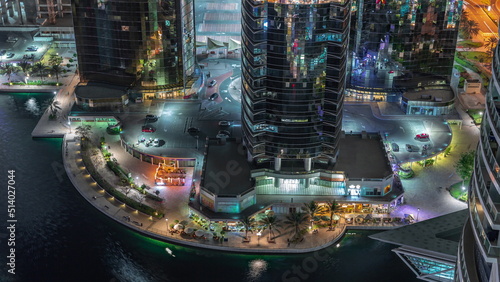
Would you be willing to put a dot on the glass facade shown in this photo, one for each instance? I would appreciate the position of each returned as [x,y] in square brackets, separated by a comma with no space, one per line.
[293,77]
[393,40]
[142,43]
[484,196]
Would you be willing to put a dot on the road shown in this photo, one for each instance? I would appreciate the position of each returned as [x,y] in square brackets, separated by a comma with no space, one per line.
[485,23]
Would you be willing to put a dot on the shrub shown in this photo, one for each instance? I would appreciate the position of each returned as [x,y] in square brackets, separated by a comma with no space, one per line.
[154,197]
[113,192]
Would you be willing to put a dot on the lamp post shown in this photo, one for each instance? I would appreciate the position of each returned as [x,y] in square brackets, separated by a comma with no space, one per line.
[166,221]
[69,124]
[258,238]
[418,212]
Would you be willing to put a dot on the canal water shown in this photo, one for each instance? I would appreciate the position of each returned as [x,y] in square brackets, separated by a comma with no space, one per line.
[60,237]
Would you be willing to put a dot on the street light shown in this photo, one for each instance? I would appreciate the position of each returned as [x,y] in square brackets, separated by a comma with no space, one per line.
[69,124]
[166,221]
[418,212]
[258,238]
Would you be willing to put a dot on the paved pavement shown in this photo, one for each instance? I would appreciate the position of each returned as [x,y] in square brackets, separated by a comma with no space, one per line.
[422,192]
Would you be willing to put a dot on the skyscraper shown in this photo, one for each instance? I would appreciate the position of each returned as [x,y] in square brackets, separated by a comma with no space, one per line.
[391,39]
[479,249]
[293,78]
[145,44]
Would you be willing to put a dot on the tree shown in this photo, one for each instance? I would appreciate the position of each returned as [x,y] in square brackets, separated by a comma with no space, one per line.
[54,108]
[469,29]
[83,131]
[248,223]
[332,208]
[312,208]
[491,43]
[270,222]
[465,165]
[464,17]
[40,69]
[297,221]
[25,67]
[9,69]
[55,60]
[56,69]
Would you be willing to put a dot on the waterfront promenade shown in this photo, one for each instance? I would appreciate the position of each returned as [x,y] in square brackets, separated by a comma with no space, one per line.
[425,192]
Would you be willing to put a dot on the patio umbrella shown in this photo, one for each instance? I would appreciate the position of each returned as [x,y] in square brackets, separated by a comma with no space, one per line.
[368,216]
[325,218]
[189,230]
[178,227]
[269,212]
[199,232]
[335,217]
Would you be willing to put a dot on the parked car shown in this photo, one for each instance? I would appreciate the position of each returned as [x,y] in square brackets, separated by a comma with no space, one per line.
[146,128]
[422,136]
[156,142]
[224,123]
[10,55]
[395,147]
[223,134]
[193,130]
[411,148]
[213,96]
[212,83]
[151,117]
[32,48]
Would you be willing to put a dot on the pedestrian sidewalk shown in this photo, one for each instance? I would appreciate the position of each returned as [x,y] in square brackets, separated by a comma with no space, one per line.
[158,228]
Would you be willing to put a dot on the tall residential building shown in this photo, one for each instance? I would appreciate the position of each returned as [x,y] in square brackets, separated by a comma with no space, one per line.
[294,57]
[393,40]
[17,13]
[143,44]
[479,249]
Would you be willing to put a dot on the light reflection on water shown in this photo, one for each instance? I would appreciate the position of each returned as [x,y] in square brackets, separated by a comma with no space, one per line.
[256,269]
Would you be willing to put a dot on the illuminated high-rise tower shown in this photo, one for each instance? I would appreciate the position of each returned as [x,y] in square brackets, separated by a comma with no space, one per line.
[147,45]
[479,249]
[293,74]
[391,39]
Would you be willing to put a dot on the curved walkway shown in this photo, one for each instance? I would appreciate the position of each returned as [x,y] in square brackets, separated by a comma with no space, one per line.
[157,228]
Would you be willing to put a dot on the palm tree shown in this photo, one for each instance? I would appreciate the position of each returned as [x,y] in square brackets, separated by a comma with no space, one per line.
[56,69]
[469,29]
[464,17]
[83,131]
[25,67]
[270,222]
[332,207]
[54,108]
[312,208]
[248,223]
[491,43]
[39,68]
[9,69]
[296,221]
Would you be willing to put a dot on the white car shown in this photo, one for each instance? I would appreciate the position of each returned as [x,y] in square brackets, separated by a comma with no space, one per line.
[156,142]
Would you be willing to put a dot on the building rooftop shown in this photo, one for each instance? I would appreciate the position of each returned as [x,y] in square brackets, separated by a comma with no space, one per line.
[226,171]
[362,158]
[99,90]
[437,235]
[430,93]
